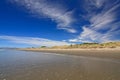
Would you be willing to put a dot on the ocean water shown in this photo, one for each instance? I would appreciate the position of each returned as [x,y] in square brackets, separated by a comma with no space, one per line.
[23,65]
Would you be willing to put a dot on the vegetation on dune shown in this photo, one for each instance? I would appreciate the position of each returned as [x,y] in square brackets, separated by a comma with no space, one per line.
[83,46]
[43,47]
[90,45]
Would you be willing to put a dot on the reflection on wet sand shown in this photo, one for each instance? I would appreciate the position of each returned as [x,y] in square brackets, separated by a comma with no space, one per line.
[20,65]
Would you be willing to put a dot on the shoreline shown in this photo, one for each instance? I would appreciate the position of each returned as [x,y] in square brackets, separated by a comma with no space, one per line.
[113,53]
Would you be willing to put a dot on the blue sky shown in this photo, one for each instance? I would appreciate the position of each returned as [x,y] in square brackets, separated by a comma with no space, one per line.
[26,23]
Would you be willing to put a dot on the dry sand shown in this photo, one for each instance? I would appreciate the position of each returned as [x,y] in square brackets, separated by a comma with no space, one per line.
[102,53]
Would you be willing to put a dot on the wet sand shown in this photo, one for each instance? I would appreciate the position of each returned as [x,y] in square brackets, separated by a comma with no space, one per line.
[25,65]
[101,53]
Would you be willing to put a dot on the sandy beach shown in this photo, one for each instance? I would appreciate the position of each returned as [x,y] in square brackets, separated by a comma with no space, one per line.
[101,53]
[28,65]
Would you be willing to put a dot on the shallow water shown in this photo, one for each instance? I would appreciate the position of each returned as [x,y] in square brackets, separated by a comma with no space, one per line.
[21,65]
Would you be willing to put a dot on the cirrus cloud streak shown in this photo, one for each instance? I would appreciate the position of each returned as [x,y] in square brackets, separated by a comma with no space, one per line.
[35,41]
[55,12]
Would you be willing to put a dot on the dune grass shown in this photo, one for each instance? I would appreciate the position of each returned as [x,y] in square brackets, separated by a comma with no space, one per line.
[89,45]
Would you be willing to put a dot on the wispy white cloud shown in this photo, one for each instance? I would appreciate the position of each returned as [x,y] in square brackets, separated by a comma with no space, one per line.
[90,35]
[103,25]
[55,12]
[105,18]
[74,40]
[101,14]
[95,3]
[35,41]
